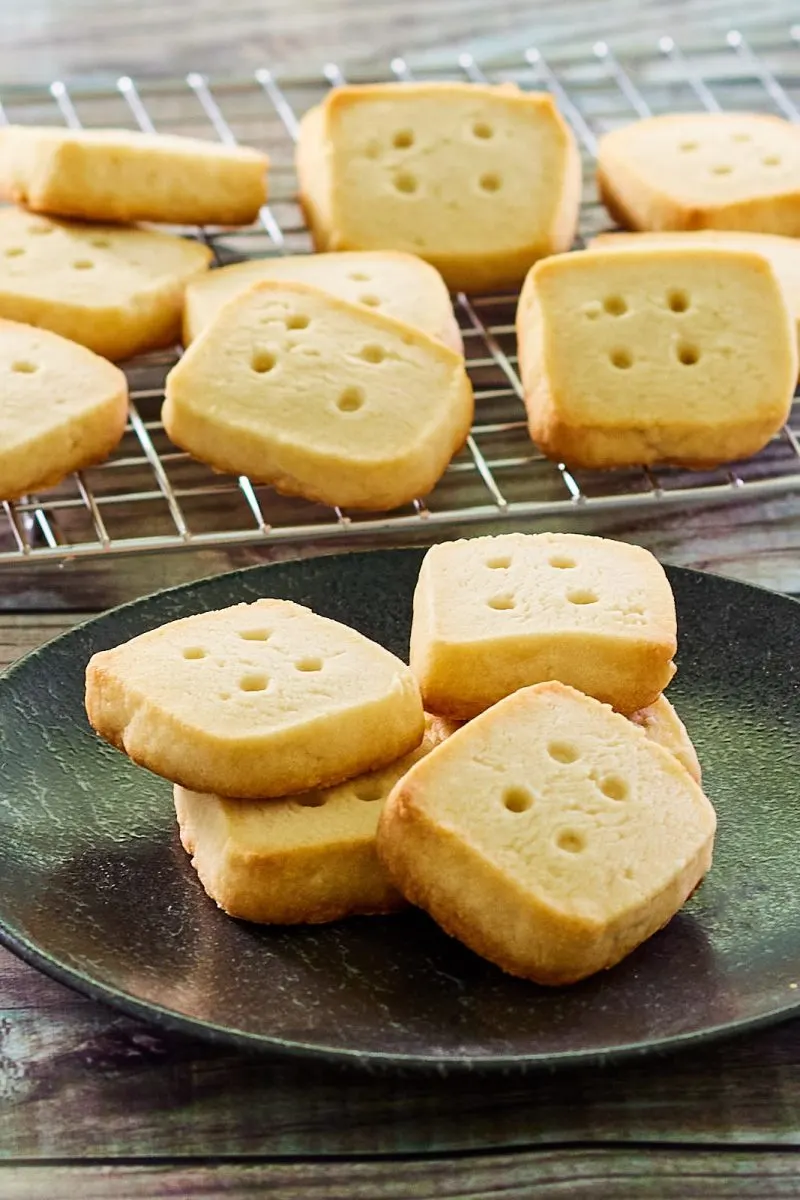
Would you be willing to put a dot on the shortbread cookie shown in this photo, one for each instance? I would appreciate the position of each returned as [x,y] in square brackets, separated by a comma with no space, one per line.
[703,171]
[321,398]
[117,291]
[684,356]
[123,175]
[782,252]
[549,835]
[258,700]
[494,614]
[481,181]
[62,408]
[663,725]
[400,285]
[298,861]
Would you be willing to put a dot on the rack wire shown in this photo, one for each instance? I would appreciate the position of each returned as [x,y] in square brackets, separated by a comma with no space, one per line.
[150,496]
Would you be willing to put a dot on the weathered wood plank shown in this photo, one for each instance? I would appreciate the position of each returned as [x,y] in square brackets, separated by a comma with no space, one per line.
[581,1174]
[79,1081]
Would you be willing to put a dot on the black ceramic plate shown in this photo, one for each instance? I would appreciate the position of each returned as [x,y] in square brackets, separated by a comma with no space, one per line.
[96,890]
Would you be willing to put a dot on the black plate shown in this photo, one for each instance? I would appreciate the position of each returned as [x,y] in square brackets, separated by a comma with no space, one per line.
[96,890]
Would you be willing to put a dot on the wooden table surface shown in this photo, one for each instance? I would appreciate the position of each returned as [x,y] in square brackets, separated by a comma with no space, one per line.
[93,1104]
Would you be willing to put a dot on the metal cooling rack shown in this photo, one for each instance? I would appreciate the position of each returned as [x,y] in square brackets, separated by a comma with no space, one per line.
[149,496]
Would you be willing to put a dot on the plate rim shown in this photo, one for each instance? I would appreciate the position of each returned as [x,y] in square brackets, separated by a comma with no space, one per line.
[210,1032]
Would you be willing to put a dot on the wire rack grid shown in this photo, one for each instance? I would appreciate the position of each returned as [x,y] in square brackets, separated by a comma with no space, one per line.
[150,496]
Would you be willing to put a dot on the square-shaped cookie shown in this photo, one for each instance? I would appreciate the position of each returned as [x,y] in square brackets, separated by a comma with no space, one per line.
[398,285]
[255,701]
[481,181]
[494,614]
[302,860]
[550,835]
[124,175]
[333,401]
[703,171]
[684,356]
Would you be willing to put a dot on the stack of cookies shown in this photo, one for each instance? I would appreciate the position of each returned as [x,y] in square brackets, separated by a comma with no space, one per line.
[525,780]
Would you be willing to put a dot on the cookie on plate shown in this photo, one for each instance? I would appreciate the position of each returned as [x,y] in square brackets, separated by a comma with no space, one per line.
[663,725]
[494,614]
[299,861]
[685,356]
[123,175]
[399,285]
[550,835]
[117,291]
[255,701]
[321,398]
[479,180]
[703,171]
[62,408]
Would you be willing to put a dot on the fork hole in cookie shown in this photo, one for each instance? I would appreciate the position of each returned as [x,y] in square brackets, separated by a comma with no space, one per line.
[562,563]
[563,752]
[621,359]
[582,596]
[771,160]
[678,300]
[517,799]
[23,367]
[571,840]
[370,300]
[614,787]
[501,603]
[14,251]
[254,635]
[351,400]
[308,664]
[101,243]
[615,306]
[403,139]
[372,354]
[499,563]
[688,354]
[369,790]
[262,361]
[359,277]
[740,137]
[372,149]
[482,130]
[83,264]
[687,147]
[406,182]
[721,169]
[194,652]
[310,800]
[298,321]
[255,682]
[39,229]
[490,182]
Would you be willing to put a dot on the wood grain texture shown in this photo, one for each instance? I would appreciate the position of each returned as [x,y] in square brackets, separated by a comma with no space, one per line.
[44,39]
[665,1175]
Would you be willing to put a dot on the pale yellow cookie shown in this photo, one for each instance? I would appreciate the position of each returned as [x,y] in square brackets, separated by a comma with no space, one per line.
[321,398]
[398,285]
[62,408]
[703,171]
[550,835]
[117,291]
[299,861]
[685,356]
[258,700]
[494,614]
[124,175]
[481,181]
